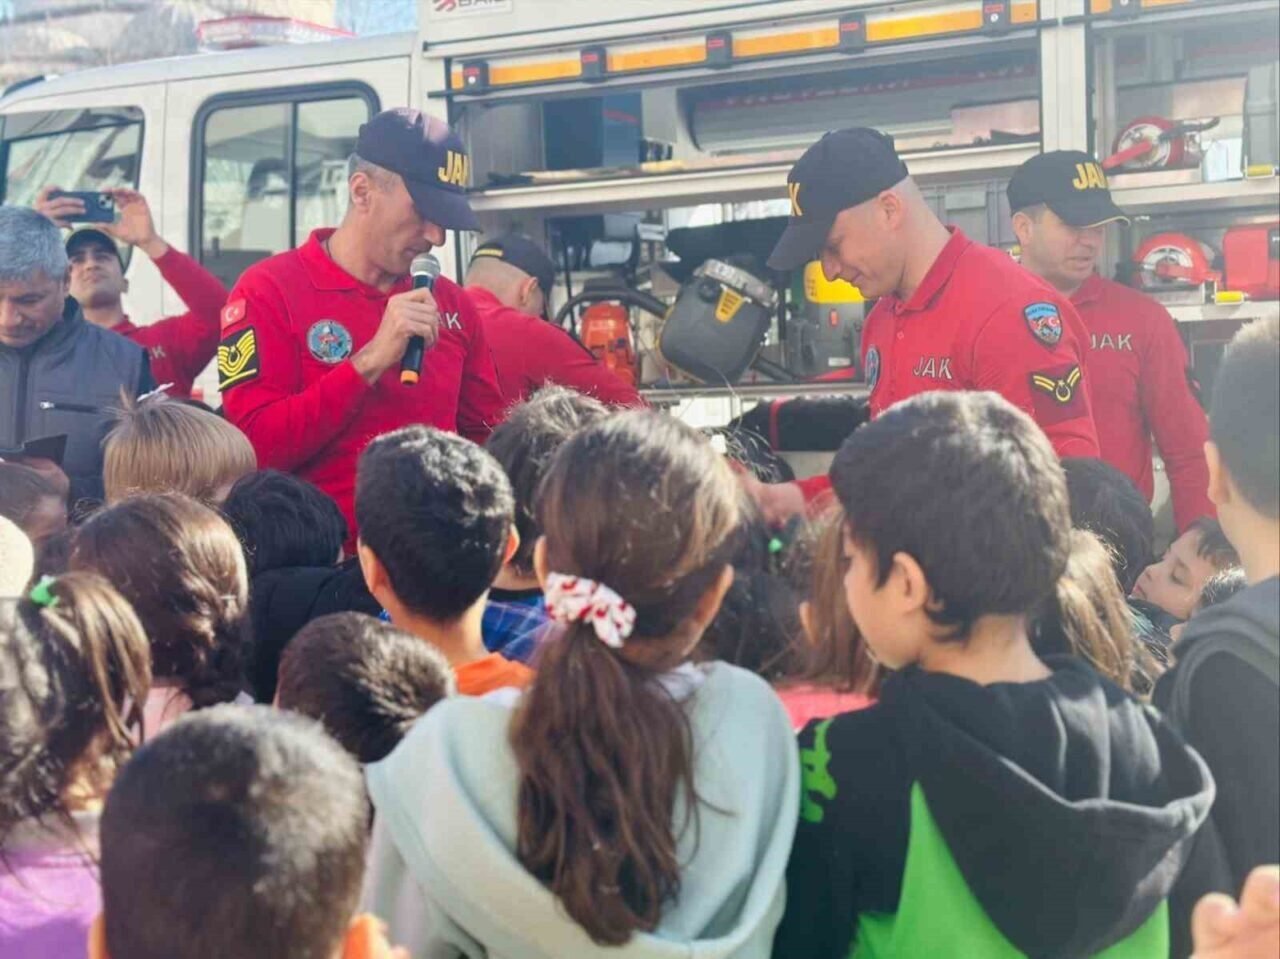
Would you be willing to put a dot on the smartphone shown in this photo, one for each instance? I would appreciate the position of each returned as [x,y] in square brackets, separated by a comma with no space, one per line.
[98,207]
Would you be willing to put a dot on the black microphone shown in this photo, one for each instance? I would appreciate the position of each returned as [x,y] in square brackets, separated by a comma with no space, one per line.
[424,269]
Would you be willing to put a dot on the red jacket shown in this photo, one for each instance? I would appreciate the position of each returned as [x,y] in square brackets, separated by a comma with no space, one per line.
[180,347]
[1139,379]
[529,353]
[979,321]
[284,369]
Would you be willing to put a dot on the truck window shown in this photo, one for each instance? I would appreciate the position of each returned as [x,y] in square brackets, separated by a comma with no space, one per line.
[270,172]
[75,149]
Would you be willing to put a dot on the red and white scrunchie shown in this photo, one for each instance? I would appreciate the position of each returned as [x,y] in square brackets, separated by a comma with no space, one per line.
[575,599]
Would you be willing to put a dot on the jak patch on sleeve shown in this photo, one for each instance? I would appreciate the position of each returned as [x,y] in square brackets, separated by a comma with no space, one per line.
[238,360]
[1057,395]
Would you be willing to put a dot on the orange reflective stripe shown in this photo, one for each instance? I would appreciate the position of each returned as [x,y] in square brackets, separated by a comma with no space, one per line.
[821,38]
[661,57]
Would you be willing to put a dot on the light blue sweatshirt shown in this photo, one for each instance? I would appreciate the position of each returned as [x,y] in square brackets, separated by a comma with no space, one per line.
[443,871]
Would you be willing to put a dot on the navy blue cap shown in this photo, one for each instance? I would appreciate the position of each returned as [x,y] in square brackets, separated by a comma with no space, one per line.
[91,237]
[522,253]
[842,170]
[429,157]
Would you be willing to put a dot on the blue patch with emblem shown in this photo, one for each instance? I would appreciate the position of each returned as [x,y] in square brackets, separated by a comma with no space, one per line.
[1045,323]
[873,368]
[329,341]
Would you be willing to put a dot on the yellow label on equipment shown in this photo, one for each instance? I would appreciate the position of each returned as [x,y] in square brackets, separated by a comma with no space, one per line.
[818,289]
[729,304]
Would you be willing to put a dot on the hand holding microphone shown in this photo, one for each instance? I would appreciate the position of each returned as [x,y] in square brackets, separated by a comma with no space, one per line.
[408,317]
[425,269]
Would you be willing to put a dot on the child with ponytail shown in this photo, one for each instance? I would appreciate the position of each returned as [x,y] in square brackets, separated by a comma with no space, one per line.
[1014,804]
[74,669]
[628,803]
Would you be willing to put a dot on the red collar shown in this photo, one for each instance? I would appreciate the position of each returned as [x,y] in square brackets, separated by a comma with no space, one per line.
[939,273]
[124,327]
[1090,290]
[326,275]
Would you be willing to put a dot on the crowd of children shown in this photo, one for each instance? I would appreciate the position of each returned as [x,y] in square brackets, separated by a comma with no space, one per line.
[548,707]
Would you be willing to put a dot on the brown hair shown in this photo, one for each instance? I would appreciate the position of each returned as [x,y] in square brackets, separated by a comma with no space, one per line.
[641,503]
[364,680]
[21,490]
[159,445]
[1089,617]
[835,655]
[182,568]
[76,672]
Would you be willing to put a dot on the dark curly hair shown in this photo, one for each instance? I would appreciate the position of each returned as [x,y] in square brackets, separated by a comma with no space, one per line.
[436,510]
[1105,502]
[73,677]
[180,565]
[524,443]
[284,521]
[364,680]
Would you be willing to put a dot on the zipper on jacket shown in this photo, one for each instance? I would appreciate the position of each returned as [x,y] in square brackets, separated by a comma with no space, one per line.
[24,366]
[68,407]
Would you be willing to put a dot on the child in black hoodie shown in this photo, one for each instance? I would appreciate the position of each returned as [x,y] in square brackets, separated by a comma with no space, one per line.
[1224,692]
[992,803]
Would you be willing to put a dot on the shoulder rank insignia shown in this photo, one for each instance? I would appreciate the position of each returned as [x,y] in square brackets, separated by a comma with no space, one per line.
[1056,394]
[238,360]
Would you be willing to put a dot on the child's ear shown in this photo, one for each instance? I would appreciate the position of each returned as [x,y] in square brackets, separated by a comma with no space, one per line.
[910,583]
[98,938]
[375,574]
[707,607]
[540,560]
[1219,480]
[513,544]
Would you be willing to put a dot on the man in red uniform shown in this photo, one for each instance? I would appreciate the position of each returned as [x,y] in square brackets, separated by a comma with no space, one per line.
[1137,364]
[313,338]
[509,281]
[952,314]
[179,347]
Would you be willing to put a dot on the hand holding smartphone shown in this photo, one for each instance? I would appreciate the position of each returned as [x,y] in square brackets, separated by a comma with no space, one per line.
[79,206]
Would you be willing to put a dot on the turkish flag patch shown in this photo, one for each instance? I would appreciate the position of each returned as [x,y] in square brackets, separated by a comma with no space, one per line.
[232,314]
[1057,394]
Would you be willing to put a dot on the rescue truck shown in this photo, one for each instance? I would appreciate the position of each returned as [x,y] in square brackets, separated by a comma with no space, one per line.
[647,142]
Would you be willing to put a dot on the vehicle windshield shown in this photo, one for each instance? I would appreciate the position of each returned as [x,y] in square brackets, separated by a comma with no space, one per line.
[90,149]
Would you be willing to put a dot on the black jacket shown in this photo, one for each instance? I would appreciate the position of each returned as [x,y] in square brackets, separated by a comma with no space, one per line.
[67,382]
[282,601]
[1223,695]
[1065,804]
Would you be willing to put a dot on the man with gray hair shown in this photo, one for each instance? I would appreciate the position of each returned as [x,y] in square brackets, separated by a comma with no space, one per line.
[310,363]
[59,375]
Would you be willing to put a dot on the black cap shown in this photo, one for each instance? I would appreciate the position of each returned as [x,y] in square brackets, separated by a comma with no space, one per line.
[91,237]
[429,157]
[842,170]
[1070,183]
[522,253]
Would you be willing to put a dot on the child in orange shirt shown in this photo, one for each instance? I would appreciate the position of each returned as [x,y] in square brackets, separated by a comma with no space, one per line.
[437,523]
